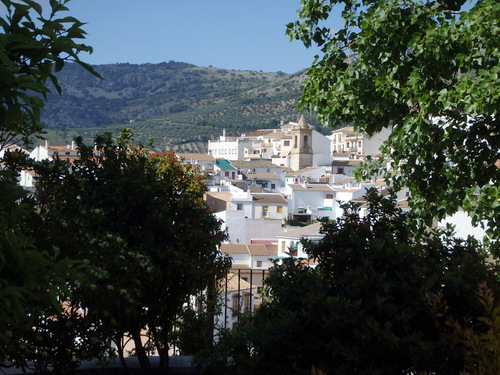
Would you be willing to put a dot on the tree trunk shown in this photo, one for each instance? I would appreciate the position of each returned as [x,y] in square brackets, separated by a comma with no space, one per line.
[120,348]
[162,348]
[141,352]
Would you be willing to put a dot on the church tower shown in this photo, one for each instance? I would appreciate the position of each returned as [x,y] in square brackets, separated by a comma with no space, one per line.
[301,155]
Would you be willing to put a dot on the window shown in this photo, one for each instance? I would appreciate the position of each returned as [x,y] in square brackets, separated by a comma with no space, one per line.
[295,143]
[226,173]
[279,209]
[329,196]
[247,301]
[306,140]
[273,186]
[236,299]
[265,211]
[239,206]
[286,143]
[259,263]
[340,170]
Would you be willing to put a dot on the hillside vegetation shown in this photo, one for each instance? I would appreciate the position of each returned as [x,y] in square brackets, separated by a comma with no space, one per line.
[178,105]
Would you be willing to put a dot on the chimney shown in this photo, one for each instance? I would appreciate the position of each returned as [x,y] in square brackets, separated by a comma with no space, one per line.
[73,145]
[46,144]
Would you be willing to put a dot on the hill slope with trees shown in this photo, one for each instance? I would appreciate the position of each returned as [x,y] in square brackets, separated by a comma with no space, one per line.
[179,105]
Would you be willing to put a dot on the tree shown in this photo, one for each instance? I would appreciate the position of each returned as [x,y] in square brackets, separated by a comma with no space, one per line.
[140,224]
[33,50]
[430,70]
[364,309]
[32,282]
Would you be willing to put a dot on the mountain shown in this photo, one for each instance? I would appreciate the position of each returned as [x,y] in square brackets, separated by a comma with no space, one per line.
[180,106]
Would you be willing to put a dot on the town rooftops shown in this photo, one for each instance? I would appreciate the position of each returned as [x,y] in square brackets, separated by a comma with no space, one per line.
[345,181]
[242,164]
[269,198]
[261,132]
[251,249]
[307,231]
[312,187]
[302,171]
[261,176]
[346,163]
[346,130]
[224,164]
[194,156]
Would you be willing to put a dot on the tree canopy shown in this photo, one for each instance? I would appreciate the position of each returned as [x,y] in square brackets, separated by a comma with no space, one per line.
[364,308]
[35,43]
[427,69]
[139,223]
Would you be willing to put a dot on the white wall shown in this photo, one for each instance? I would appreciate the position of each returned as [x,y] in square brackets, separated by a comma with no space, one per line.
[463,226]
[372,145]
[241,230]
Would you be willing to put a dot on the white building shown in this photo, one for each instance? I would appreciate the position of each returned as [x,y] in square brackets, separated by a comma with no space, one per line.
[348,141]
[308,202]
[205,162]
[229,148]
[242,229]
[43,152]
[289,242]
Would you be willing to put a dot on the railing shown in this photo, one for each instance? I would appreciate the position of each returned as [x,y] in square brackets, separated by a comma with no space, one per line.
[240,298]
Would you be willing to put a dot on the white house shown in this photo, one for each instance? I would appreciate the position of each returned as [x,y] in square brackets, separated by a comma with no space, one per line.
[307,202]
[242,229]
[267,181]
[43,152]
[230,148]
[205,162]
[347,140]
[289,242]
[269,206]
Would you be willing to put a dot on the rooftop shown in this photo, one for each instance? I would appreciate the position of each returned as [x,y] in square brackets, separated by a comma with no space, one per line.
[313,187]
[241,164]
[224,164]
[269,198]
[200,157]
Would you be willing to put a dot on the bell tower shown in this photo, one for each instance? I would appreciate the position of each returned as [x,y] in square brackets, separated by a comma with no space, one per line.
[301,155]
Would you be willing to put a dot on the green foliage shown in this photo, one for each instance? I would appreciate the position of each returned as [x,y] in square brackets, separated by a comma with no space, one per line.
[140,224]
[32,283]
[231,352]
[367,297]
[33,48]
[482,346]
[429,69]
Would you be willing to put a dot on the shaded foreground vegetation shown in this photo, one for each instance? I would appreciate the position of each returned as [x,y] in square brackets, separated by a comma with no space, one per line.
[379,301]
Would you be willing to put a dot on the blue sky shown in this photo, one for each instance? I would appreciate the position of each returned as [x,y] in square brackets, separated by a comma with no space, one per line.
[230,34]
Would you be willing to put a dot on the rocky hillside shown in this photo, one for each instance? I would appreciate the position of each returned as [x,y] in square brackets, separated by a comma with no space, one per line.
[178,105]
